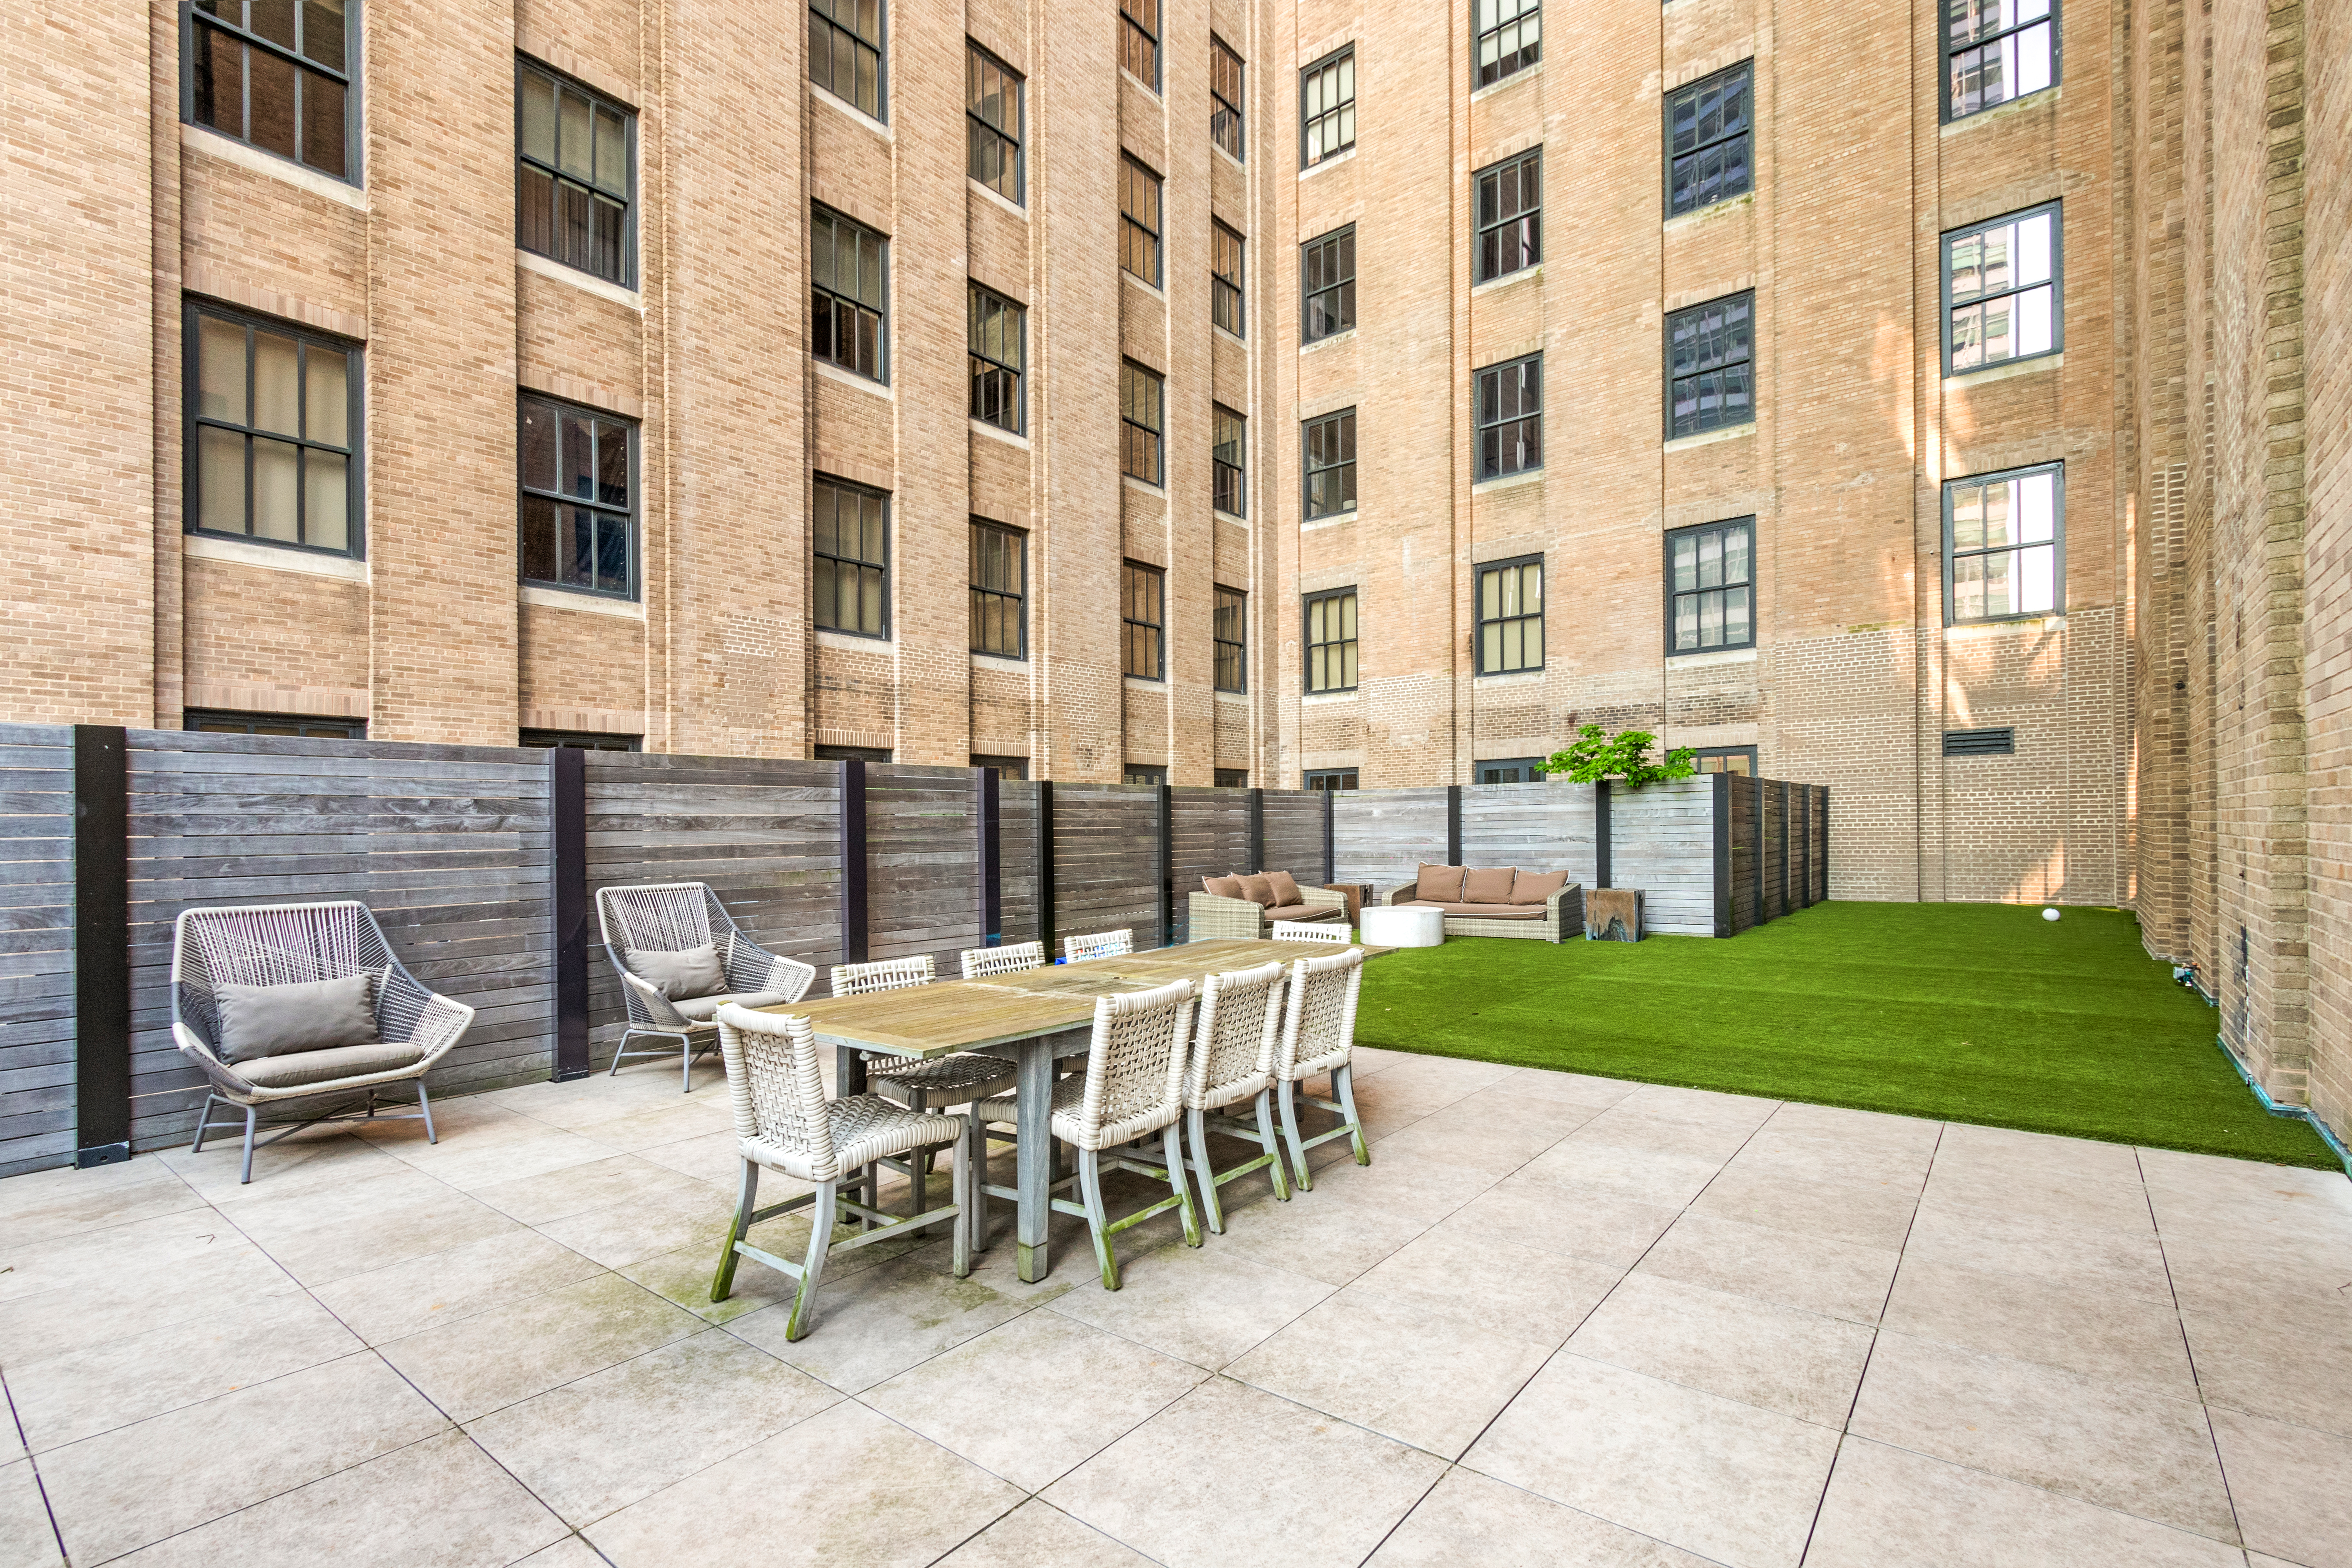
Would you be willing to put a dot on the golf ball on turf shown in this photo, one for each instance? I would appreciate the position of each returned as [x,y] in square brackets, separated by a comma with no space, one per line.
[2050,914]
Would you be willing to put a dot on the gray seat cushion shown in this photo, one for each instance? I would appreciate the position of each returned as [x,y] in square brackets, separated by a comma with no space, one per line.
[261,1021]
[701,1009]
[690,972]
[327,1065]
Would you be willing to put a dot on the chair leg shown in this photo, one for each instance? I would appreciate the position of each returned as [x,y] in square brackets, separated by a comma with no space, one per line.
[961,1178]
[203,1116]
[619,1051]
[425,1107]
[821,1218]
[1098,1222]
[1281,1174]
[1196,1132]
[1343,1087]
[918,1162]
[686,1063]
[1172,1145]
[1290,1133]
[723,1284]
[247,1176]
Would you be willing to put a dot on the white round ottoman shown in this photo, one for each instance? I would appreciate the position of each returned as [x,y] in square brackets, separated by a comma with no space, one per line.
[1402,925]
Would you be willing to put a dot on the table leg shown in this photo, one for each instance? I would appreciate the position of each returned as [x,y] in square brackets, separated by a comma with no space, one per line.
[1035,1159]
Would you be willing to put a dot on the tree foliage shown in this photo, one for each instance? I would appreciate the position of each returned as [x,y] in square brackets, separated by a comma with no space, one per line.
[1594,755]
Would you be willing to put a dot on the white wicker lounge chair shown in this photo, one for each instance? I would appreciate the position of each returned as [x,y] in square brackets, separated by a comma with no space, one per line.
[784,1121]
[1133,1086]
[1233,1040]
[1318,1032]
[672,918]
[297,944]
[1310,930]
[1011,958]
[958,1080]
[1099,944]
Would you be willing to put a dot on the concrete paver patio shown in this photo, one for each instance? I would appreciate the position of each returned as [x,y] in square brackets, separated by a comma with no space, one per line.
[1558,1319]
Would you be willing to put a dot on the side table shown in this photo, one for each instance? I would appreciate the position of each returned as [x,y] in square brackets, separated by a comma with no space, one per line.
[1403,925]
[1357,895]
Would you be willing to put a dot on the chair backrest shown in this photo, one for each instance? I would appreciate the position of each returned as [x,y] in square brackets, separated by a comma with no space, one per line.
[1099,945]
[1318,1024]
[884,975]
[283,944]
[1135,1064]
[776,1086]
[1235,1030]
[1310,930]
[1007,960]
[661,917]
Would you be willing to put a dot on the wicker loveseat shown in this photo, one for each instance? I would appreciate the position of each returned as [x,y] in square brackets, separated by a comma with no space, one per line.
[1246,908]
[1535,906]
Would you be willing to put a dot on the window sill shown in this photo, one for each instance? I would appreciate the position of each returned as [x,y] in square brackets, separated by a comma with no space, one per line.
[1239,519]
[854,114]
[1323,699]
[2034,364]
[1010,663]
[1507,482]
[1228,157]
[1144,486]
[1973,631]
[1524,274]
[2053,93]
[1145,683]
[1234,337]
[1525,73]
[592,604]
[1740,202]
[998,433]
[1153,289]
[1510,676]
[851,378]
[998,198]
[854,642]
[229,151]
[1709,438]
[273,557]
[1347,337]
[1329,519]
[1240,699]
[1708,657]
[1138,80]
[586,282]
[1333,161]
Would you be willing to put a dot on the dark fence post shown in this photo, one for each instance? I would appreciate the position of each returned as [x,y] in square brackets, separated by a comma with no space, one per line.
[1330,846]
[1600,834]
[1802,798]
[1257,830]
[852,790]
[101,851]
[1046,866]
[1722,797]
[1825,841]
[991,868]
[1163,830]
[567,790]
[1453,824]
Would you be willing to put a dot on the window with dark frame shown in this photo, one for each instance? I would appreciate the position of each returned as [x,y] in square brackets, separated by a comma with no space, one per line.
[845,51]
[1000,590]
[580,740]
[1510,37]
[1231,778]
[1327,275]
[1141,419]
[1229,459]
[2004,538]
[1225,76]
[1710,127]
[1330,468]
[1331,640]
[1511,417]
[1710,365]
[574,175]
[993,111]
[579,499]
[1138,40]
[1511,770]
[1510,615]
[1711,587]
[1139,220]
[1143,617]
[1996,50]
[1231,633]
[1510,215]
[997,329]
[273,440]
[850,530]
[1227,255]
[853,753]
[215,721]
[1726,760]
[1329,778]
[2001,290]
[1007,767]
[1327,107]
[849,295]
[273,74]
[1154,773]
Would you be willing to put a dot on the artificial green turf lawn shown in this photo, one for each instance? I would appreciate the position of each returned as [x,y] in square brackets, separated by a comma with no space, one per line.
[1982,1012]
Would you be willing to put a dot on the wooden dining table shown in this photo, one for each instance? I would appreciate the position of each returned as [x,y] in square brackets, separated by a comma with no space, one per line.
[1020,1016]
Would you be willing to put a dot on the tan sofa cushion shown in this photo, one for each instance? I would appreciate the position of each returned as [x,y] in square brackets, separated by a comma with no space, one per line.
[1483,886]
[1304,912]
[1482,912]
[1259,890]
[1438,884]
[1535,886]
[1285,888]
[1222,886]
[327,1066]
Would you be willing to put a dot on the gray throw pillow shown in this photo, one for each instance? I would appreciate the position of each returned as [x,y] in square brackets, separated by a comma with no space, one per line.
[694,971]
[312,1016]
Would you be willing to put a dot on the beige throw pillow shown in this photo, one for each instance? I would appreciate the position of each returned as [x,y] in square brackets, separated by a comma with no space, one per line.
[693,972]
[1223,887]
[1439,884]
[1285,889]
[1535,886]
[1485,886]
[1259,890]
[312,1015]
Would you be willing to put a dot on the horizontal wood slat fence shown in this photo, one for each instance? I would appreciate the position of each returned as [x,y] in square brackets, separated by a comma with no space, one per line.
[483,863]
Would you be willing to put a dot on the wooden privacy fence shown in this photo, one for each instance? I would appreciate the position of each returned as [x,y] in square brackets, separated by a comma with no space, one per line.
[483,864]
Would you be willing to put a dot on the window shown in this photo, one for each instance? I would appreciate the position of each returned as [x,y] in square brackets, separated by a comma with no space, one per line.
[1330,778]
[210,722]
[1154,773]
[2000,742]
[1229,461]
[1226,278]
[1224,97]
[845,51]
[579,499]
[585,741]
[1995,50]
[1708,124]
[851,530]
[572,175]
[1142,611]
[1000,590]
[1139,220]
[1726,760]
[1327,107]
[274,74]
[1231,778]
[1711,587]
[2001,290]
[853,753]
[2002,534]
[1328,268]
[273,432]
[1331,641]
[1710,369]
[1332,463]
[1232,639]
[1511,770]
[993,102]
[1010,767]
[1511,417]
[1138,40]
[1510,615]
[1139,416]
[846,265]
[1510,215]
[1510,37]
[997,336]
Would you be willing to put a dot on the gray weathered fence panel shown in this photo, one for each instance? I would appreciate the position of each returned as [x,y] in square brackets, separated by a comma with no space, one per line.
[1383,836]
[1210,832]
[1292,823]
[1662,841]
[1016,849]
[1106,874]
[1534,827]
[922,864]
[36,1062]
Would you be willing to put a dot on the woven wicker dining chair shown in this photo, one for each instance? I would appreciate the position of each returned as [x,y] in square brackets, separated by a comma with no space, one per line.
[1011,959]
[296,944]
[1235,1035]
[1310,930]
[784,1121]
[1133,1086]
[1099,944]
[930,1085]
[1318,1032]
[680,918]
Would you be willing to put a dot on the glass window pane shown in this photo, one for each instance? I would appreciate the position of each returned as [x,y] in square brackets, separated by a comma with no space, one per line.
[2036,499]
[575,147]
[2032,327]
[326,508]
[1736,629]
[220,481]
[611,553]
[579,474]
[322,32]
[326,396]
[2036,585]
[2032,59]
[611,463]
[272,19]
[276,385]
[611,153]
[219,84]
[538,95]
[1968,517]
[537,445]
[275,481]
[272,92]
[322,124]
[220,354]
[1710,559]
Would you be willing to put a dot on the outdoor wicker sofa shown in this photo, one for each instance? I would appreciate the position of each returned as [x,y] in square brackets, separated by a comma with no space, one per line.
[1534,906]
[1244,909]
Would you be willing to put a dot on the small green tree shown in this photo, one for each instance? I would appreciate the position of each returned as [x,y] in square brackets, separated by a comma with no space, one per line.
[1594,755]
